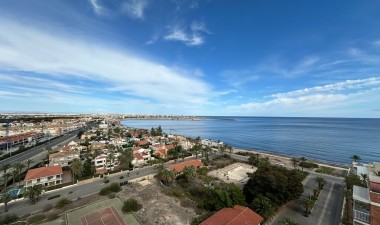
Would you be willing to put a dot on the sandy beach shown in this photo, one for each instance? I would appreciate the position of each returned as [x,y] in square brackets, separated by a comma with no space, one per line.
[275,158]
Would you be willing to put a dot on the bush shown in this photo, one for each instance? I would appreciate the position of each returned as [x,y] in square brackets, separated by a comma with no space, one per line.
[62,203]
[8,219]
[54,196]
[202,171]
[131,205]
[36,218]
[121,177]
[308,165]
[112,195]
[52,216]
[114,187]
[325,170]
[47,207]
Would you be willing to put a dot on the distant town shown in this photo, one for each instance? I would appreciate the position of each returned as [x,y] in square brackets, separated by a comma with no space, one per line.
[90,169]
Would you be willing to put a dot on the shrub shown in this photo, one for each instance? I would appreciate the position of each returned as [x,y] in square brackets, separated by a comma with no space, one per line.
[36,218]
[54,196]
[131,205]
[202,171]
[47,207]
[308,165]
[8,219]
[62,203]
[112,195]
[121,177]
[106,181]
[114,187]
[52,216]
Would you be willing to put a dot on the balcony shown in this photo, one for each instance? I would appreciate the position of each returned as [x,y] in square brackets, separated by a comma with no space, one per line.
[362,216]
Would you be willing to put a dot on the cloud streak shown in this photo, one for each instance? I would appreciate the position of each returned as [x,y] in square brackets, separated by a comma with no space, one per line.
[190,37]
[135,8]
[26,50]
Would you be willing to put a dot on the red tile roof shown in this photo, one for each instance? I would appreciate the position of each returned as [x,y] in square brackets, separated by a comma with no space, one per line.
[238,215]
[138,156]
[180,166]
[43,172]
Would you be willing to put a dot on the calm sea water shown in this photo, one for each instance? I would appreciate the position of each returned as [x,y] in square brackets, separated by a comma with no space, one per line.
[325,139]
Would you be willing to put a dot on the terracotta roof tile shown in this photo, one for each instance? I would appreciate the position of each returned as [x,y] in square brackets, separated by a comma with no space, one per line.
[43,172]
[180,166]
[239,215]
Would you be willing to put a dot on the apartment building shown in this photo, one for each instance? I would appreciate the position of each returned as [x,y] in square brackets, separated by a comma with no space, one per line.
[366,201]
[63,158]
[45,176]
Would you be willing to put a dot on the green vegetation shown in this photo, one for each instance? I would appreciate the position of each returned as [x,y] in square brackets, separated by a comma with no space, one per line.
[325,170]
[36,218]
[62,203]
[131,205]
[8,219]
[288,221]
[308,165]
[76,169]
[33,193]
[113,187]
[272,187]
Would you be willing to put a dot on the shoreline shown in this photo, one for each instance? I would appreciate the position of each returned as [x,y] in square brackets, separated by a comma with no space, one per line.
[287,159]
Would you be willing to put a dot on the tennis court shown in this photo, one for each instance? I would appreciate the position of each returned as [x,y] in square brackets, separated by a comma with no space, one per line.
[104,212]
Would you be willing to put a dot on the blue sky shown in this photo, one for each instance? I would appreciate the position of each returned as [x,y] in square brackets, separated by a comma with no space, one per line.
[215,57]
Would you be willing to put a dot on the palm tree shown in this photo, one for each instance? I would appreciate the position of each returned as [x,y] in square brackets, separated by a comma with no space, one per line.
[321,182]
[355,158]
[364,178]
[5,198]
[302,159]
[5,167]
[207,151]
[230,149]
[294,162]
[189,172]
[222,149]
[288,221]
[76,168]
[33,192]
[263,206]
[28,162]
[197,147]
[19,167]
[14,174]
[168,176]
[307,203]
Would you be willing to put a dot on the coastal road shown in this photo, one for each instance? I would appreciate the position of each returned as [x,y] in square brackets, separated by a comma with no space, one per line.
[82,189]
[23,156]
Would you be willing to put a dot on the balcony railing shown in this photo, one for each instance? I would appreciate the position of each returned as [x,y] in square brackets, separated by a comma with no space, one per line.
[362,216]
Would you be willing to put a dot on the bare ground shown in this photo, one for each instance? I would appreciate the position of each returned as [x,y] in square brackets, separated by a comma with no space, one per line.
[158,208]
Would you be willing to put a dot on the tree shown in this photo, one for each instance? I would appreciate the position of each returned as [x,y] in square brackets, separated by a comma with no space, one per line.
[222,149]
[355,158]
[302,159]
[28,163]
[5,167]
[189,172]
[125,158]
[294,162]
[276,183]
[351,180]
[364,179]
[18,167]
[207,151]
[288,221]
[321,182]
[230,149]
[263,206]
[5,198]
[254,159]
[167,176]
[308,203]
[76,168]
[131,205]
[79,135]
[196,149]
[33,192]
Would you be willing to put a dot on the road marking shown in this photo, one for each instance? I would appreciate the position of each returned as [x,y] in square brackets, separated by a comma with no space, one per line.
[325,205]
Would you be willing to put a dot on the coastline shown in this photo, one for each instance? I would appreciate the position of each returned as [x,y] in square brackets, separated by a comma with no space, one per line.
[273,157]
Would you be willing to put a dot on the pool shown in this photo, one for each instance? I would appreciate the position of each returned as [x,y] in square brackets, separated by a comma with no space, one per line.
[13,192]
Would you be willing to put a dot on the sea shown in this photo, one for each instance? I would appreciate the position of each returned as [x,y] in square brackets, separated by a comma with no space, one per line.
[329,140]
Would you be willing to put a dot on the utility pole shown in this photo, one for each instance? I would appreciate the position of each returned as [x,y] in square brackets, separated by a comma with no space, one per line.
[7,134]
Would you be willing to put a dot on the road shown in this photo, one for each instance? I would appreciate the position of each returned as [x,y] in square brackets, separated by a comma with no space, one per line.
[327,209]
[38,149]
[82,189]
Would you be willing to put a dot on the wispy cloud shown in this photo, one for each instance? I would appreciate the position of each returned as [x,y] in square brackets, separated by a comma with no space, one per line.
[237,78]
[327,100]
[192,36]
[98,9]
[376,43]
[72,59]
[135,8]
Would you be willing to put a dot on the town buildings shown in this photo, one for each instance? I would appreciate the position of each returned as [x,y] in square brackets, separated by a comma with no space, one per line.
[366,201]
[45,176]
